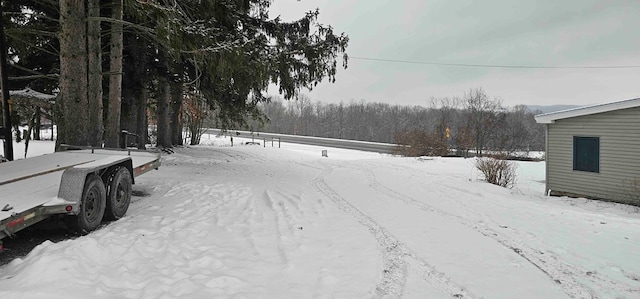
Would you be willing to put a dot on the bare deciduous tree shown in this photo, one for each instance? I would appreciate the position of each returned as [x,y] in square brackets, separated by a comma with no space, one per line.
[500,129]
[482,112]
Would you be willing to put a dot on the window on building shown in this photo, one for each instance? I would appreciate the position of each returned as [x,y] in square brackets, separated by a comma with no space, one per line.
[586,154]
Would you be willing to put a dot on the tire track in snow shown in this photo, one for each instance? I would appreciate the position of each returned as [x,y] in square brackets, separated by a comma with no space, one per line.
[280,228]
[594,277]
[196,267]
[394,275]
[537,256]
[559,271]
[287,221]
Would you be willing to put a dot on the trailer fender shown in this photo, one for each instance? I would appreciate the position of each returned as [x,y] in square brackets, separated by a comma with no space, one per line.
[73,179]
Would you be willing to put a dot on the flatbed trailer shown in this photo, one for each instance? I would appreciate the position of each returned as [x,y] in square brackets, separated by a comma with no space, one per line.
[86,186]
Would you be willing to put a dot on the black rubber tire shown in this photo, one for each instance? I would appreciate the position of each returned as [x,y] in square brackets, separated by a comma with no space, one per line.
[92,206]
[119,196]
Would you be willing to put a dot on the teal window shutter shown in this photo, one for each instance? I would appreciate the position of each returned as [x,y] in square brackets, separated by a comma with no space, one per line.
[586,154]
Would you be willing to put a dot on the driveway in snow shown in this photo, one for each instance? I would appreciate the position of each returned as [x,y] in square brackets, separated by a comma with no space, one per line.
[256,222]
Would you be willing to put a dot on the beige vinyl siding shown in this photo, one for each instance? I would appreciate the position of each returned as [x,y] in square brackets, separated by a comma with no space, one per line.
[619,133]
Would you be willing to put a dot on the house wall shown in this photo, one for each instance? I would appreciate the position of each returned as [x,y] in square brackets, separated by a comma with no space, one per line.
[619,177]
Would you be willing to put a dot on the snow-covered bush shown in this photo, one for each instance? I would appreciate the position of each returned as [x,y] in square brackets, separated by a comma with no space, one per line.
[497,171]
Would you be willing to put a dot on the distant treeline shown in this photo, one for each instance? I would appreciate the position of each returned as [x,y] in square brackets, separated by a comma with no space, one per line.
[472,122]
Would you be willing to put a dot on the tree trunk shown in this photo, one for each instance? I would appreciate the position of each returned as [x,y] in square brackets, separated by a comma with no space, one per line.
[134,91]
[73,74]
[128,105]
[36,132]
[164,99]
[129,109]
[140,90]
[176,104]
[115,78]
[94,67]
[141,120]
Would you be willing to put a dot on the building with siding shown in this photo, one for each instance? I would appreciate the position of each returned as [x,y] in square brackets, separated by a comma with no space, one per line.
[594,152]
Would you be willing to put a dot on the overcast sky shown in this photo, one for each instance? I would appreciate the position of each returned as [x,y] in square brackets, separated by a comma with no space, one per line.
[550,33]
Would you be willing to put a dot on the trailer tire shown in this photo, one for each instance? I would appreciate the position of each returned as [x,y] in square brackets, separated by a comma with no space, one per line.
[119,196]
[92,206]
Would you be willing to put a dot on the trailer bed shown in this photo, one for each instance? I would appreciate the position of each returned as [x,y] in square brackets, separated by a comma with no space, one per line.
[29,183]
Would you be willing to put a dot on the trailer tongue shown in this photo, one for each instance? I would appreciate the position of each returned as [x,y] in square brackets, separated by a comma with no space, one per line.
[85,185]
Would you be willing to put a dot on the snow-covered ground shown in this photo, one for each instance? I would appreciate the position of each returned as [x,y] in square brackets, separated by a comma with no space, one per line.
[36,147]
[261,222]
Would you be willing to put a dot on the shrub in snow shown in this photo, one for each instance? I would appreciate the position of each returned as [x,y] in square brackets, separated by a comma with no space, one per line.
[420,143]
[497,171]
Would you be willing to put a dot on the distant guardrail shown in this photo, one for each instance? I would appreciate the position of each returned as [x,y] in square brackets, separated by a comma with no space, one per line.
[385,148]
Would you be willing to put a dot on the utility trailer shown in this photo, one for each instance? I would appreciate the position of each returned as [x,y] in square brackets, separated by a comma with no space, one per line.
[86,186]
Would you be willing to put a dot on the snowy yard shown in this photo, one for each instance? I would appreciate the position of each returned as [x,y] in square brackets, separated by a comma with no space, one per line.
[252,222]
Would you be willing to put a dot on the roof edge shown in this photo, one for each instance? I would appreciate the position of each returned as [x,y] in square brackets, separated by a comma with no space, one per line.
[549,118]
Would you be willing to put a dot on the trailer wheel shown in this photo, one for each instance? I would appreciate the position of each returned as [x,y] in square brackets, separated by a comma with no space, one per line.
[92,206]
[119,195]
